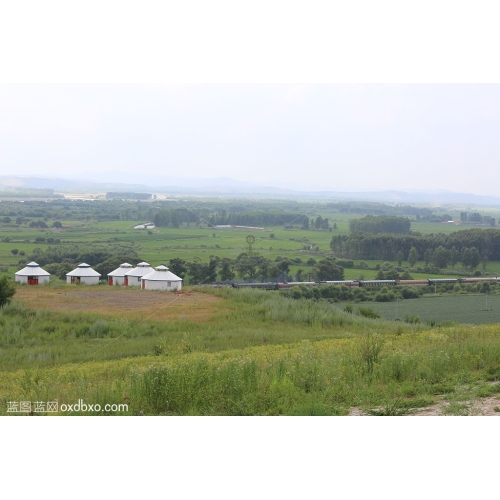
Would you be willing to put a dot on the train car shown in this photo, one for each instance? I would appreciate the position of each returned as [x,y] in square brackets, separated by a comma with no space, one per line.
[291,284]
[262,286]
[348,283]
[413,282]
[378,283]
[442,281]
[479,280]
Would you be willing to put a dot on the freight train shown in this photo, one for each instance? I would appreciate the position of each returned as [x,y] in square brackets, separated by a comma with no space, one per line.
[361,283]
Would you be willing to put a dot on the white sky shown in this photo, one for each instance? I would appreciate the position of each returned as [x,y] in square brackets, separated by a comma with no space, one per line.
[323,134]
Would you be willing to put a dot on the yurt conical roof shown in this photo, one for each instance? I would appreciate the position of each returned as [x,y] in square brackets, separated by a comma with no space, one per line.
[32,269]
[141,269]
[122,270]
[83,270]
[161,273]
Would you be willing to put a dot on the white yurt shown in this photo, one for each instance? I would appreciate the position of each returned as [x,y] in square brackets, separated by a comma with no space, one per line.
[133,277]
[32,274]
[161,279]
[117,277]
[83,274]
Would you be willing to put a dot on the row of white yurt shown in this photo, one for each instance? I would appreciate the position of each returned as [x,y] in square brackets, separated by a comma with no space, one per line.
[145,276]
[32,274]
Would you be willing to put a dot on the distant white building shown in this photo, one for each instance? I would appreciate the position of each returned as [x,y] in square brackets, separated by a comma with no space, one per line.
[32,274]
[161,279]
[147,225]
[117,277]
[133,277]
[250,227]
[83,274]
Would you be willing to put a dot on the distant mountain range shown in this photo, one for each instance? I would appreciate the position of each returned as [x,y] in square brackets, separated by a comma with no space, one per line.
[226,187]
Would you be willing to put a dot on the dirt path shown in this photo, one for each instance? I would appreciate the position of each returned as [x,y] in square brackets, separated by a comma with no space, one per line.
[479,407]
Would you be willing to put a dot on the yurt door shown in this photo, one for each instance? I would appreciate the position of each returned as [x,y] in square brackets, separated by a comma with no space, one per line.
[143,284]
[110,281]
[125,281]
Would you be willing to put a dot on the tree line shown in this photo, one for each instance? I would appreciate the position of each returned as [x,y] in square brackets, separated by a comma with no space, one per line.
[387,246]
[249,267]
[376,224]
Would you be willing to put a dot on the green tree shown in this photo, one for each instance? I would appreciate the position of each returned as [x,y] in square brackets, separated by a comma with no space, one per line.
[441,257]
[400,258]
[328,270]
[226,270]
[246,266]
[475,258]
[428,256]
[178,267]
[454,256]
[412,256]
[7,290]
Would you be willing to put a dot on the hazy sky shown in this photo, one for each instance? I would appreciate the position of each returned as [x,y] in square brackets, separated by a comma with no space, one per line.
[326,136]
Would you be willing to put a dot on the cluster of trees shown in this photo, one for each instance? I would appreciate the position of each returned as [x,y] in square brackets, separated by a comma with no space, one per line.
[476,218]
[376,224]
[251,268]
[30,193]
[441,257]
[174,217]
[387,246]
[377,208]
[258,218]
[101,210]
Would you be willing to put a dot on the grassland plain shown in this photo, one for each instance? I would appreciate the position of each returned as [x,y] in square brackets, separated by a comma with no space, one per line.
[233,352]
[162,244]
[257,354]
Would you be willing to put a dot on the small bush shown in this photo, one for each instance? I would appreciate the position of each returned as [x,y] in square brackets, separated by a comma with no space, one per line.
[368,312]
[410,293]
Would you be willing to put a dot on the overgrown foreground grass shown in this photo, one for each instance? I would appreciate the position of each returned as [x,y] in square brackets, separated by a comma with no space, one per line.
[262,354]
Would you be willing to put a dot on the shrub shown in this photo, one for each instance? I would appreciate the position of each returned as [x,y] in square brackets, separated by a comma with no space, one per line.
[412,319]
[385,296]
[410,293]
[368,312]
[7,290]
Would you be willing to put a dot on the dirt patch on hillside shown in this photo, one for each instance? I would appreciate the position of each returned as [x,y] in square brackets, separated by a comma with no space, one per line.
[123,302]
[478,407]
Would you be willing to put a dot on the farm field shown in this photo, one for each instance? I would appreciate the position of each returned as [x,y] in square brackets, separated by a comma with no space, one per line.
[467,309]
